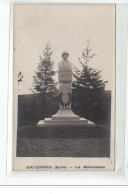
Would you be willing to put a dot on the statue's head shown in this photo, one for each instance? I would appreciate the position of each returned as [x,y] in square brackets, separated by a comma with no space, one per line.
[65,55]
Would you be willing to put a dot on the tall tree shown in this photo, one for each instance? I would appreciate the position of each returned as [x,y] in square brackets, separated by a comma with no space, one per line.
[20,79]
[88,85]
[43,82]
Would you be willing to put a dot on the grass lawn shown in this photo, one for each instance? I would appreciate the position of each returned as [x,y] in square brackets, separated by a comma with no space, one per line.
[63,142]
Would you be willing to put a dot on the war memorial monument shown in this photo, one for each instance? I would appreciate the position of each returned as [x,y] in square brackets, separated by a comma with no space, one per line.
[65,115]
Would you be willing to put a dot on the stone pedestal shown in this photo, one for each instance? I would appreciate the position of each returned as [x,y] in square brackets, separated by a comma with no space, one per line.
[65,118]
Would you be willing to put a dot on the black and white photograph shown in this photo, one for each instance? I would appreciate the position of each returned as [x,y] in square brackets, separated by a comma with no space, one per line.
[64,86]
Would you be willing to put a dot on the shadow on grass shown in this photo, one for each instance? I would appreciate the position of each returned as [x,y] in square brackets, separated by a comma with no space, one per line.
[63,141]
[63,132]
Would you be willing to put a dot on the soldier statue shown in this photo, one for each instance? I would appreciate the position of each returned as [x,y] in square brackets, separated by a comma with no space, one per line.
[65,81]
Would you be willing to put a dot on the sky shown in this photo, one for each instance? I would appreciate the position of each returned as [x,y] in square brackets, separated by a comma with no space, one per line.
[66,27]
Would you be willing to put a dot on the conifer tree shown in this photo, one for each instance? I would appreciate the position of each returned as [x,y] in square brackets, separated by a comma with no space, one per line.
[43,79]
[88,85]
[43,82]
[20,79]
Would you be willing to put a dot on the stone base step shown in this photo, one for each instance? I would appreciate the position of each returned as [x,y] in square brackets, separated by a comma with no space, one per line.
[42,123]
[65,120]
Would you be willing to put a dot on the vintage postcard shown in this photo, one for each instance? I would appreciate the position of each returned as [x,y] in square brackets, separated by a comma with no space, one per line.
[64,87]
